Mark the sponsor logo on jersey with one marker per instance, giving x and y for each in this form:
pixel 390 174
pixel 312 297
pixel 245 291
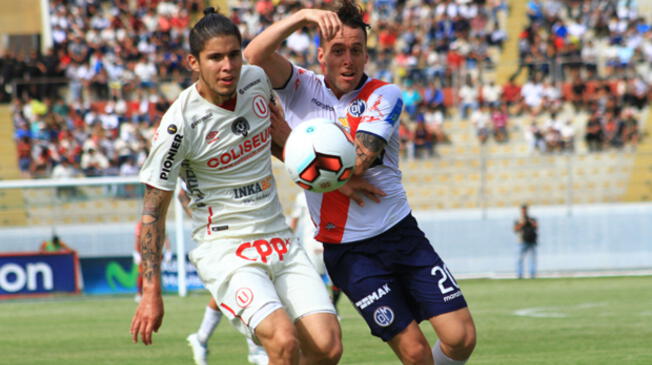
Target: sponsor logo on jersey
pixel 244 297
pixel 203 119
pixel 251 189
pixel 260 107
pixel 241 152
pixel 330 226
pixel 384 316
pixel 322 105
pixel 373 297
pixel 448 298
pixel 249 86
pixel 240 126
pixel 212 137
pixel 357 107
pixel 192 185
pixel 261 250
pixel 172 129
pixel 395 113
pixel 169 157
pixel 219 228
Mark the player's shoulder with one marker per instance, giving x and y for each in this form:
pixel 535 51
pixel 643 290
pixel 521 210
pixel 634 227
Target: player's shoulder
pixel 252 72
pixel 386 89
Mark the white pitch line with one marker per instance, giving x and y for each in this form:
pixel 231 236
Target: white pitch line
pixel 554 312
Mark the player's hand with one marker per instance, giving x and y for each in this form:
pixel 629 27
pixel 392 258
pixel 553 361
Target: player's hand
pixel 328 22
pixel 148 318
pixel 359 186
pixel 280 128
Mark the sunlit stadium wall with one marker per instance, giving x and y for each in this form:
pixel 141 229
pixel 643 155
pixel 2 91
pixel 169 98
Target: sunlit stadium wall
pixel 612 237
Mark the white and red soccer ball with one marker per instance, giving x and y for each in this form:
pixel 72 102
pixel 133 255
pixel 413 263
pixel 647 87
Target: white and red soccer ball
pixel 319 155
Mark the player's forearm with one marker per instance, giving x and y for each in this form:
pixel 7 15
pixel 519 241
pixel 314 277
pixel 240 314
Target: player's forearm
pixel 265 44
pixel 152 236
pixel 151 248
pixel 368 149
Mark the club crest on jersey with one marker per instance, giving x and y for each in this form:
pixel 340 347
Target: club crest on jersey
pixel 244 297
pixel 357 107
pixel 240 126
pixel 384 316
pixel 260 107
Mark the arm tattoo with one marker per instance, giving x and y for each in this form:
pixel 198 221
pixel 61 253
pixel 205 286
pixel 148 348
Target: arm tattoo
pixel 153 231
pixel 368 149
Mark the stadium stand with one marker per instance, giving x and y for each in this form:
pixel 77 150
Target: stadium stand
pixel 443 43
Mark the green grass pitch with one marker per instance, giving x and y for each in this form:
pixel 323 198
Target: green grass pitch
pixel 588 321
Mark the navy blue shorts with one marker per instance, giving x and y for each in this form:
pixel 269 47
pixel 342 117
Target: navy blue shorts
pixel 394 278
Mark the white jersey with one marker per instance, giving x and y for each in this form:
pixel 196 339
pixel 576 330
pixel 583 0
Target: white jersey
pixel 372 108
pixel 223 157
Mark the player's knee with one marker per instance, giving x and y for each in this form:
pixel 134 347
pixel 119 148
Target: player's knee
pixel 416 353
pixel 326 349
pixel 463 343
pixel 283 344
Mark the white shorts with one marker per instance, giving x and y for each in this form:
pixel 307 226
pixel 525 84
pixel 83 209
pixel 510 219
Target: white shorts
pixel 252 278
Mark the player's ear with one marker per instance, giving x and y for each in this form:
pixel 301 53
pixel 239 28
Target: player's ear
pixel 320 55
pixel 193 62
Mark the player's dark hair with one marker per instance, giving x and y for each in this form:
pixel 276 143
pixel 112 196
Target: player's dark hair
pixel 213 24
pixel 351 15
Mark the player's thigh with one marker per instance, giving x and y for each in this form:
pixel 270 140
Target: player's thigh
pixel 300 288
pixel 247 298
pixel 276 328
pixel 410 344
pixel 455 328
pixel 320 333
pixel 375 291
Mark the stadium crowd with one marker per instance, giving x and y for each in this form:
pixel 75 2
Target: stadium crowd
pixel 122 63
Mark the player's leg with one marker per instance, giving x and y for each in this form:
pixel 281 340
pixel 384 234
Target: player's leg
pixel 247 297
pixel 321 338
pixel 257 354
pixel 306 298
pixel 433 293
pixel 411 346
pixel 198 341
pixel 456 332
pixel 359 270
pixel 279 337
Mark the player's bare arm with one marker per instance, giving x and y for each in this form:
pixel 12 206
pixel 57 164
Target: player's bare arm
pixel 149 314
pixel 261 51
pixel 368 149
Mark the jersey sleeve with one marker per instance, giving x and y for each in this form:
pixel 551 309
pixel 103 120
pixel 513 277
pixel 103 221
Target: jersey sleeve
pixel 161 168
pixel 381 116
pixel 300 83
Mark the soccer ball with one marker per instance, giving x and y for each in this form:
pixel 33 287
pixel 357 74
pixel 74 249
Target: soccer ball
pixel 319 155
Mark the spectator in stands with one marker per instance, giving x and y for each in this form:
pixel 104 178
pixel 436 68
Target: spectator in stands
pixel 93 162
pixel 499 123
pixel 594 136
pixel 527 229
pixel 423 142
pixel 481 119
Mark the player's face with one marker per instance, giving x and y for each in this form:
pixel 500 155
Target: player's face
pixel 343 59
pixel 219 66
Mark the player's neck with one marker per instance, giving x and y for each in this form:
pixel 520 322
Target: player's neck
pixel 223 101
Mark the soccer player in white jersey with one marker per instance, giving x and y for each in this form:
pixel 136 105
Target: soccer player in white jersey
pixel 375 253
pixel 217 137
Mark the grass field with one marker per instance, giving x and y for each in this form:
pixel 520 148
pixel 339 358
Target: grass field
pixel 546 321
